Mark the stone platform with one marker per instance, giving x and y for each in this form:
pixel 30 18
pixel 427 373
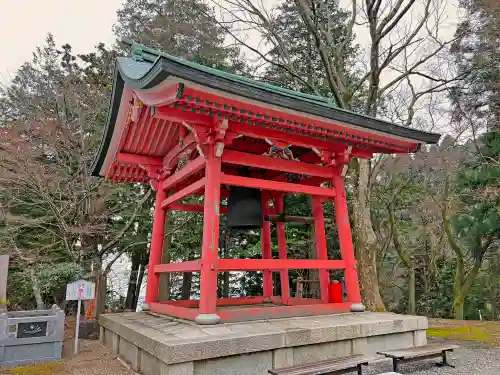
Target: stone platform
pixel 158 345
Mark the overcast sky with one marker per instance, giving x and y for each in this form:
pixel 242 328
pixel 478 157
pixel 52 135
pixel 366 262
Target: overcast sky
pixel 24 25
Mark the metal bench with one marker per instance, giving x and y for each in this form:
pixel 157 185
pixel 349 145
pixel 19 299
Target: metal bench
pixel 331 366
pixel 420 352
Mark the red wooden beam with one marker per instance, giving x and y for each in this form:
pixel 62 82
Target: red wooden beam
pixel 266 162
pixel 155 253
pixel 276 186
pixel 192 303
pixel 191 208
pixel 313 181
pixel 125 158
pixel 189 266
pixel 294 301
pixel 240 301
pixel 236 301
pixel 184 192
pixel 171 310
pixel 262 313
pixel 293 219
pixel 294 139
pixel 277 264
pixel 279 114
pixel 177 115
pixel 224 193
pixel 188 170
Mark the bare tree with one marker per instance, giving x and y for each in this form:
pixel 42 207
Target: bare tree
pixel 404 49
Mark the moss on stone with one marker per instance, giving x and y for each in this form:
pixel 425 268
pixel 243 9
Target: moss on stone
pixel 484 332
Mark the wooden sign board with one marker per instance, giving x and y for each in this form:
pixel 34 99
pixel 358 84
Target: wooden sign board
pixel 80 290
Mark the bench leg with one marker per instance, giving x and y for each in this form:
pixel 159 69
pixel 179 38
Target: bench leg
pixel 360 370
pixel 395 364
pixel 445 360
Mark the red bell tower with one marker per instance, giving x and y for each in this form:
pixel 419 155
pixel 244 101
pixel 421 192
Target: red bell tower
pixel 235 132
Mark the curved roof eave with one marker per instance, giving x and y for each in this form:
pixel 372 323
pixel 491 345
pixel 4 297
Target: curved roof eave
pixel 114 107
pixel 146 75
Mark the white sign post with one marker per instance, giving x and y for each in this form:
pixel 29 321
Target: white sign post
pixel 78 291
pixel 4 268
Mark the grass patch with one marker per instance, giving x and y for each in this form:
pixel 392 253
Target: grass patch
pixel 49 368
pixel 465 333
pixel 487 333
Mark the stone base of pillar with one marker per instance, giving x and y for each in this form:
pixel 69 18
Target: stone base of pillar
pixel 207 319
pixel 357 307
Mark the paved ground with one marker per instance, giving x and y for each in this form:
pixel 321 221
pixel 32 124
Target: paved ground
pixel 479 354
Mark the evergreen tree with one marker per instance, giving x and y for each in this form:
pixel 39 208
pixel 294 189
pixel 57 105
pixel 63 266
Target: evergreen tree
pixel 477 103
pixel 301 54
pixel 184 28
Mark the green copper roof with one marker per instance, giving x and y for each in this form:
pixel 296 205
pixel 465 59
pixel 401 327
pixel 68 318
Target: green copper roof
pixel 146 68
pixel 141 53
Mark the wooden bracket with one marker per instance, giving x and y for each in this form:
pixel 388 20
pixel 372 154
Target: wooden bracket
pixel 343 159
pixel 136 108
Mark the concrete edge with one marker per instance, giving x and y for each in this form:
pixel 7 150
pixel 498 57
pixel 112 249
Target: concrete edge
pixel 151 341
pixel 183 350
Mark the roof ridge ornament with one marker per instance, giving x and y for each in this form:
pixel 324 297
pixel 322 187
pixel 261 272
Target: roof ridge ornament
pixel 136 51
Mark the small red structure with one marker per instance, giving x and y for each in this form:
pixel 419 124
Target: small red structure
pixel 233 131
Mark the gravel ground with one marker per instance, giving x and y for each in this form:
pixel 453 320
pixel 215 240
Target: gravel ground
pixel 470 359
pixel 94 359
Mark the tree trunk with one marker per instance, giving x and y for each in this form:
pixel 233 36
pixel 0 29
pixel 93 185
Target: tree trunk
pixel 412 302
pixel 365 241
pixel 461 291
pixel 140 278
pixel 187 278
pixel 225 285
pixel 36 290
pixel 405 258
pixel 132 282
pixel 458 308
pixel 101 289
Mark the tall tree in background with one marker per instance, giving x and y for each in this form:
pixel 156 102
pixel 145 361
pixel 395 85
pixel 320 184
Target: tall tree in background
pixel 305 70
pixel 183 28
pixel 54 211
pixel 403 39
pixel 476 222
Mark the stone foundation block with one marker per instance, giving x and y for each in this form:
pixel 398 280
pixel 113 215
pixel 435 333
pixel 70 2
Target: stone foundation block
pixel 158 345
pixel 283 357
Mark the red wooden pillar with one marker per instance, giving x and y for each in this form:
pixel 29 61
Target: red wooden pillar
pixel 280 229
pixel 210 244
pixel 265 240
pixel 319 232
pixel 156 250
pixel 346 248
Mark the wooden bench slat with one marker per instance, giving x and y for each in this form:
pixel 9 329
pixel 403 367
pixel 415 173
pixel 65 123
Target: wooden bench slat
pixel 418 351
pixel 324 361
pixel 323 367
